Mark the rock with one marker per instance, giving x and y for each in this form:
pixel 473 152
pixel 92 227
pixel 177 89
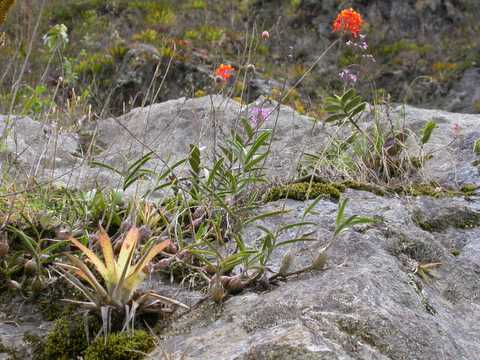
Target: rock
pixel 17 320
pixel 465 95
pixel 367 304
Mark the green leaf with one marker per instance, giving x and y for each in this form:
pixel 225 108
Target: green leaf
pixel 105 166
pixel 259 142
pixel 194 159
pixel 335 118
pixel 476 147
pixel 310 207
pixel 427 131
pixel 132 169
pixel 266 215
pixel 346 97
pixel 295 225
pixel 357 110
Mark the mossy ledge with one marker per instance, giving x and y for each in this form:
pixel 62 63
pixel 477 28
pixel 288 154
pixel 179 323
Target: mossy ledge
pixel 304 190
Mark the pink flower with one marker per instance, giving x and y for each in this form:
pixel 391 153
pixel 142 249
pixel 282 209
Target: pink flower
pixel 456 129
pixel 265 35
pixel 258 115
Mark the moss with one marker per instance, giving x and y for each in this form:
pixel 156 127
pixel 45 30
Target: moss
pixel 468 189
pixel 427 189
pixel 121 346
pixel 415 248
pixel 460 219
pixel 67 340
pixel 455 252
pixel 356 185
pixel 302 191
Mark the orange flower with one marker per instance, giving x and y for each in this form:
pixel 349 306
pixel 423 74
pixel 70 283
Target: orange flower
pixel 225 71
pixel 349 21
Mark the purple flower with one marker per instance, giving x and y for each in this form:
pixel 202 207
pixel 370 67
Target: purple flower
pixel 258 115
pixel 348 77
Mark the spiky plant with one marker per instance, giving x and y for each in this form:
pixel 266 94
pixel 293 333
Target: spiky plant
pixel 119 278
pixel 5 5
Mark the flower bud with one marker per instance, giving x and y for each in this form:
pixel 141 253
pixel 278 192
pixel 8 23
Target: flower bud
pixel 4 248
pixel 163 264
pixel 30 267
pixel 210 269
pixel 286 264
pixel 235 284
pixel 171 248
pixel 251 67
pixel 13 285
pixel 38 284
pixel 265 35
pixel 320 260
pixel 216 290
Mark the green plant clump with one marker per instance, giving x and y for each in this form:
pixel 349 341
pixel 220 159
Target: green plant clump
pixel 121 346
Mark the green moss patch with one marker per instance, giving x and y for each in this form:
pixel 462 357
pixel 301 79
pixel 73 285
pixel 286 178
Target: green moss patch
pixel 121 346
pixel 67 340
pixel 305 190
pixel 302 191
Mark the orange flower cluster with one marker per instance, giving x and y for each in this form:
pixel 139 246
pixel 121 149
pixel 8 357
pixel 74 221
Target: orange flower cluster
pixel 348 20
pixel 225 71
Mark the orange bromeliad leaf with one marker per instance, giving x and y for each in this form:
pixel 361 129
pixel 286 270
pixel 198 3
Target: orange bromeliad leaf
pixel 91 256
pixel 107 250
pixel 128 247
pixel 154 251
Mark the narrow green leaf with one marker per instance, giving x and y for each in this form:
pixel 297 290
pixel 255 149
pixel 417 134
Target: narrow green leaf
pixel 427 131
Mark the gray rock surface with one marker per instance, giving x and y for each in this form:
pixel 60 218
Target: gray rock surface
pixel 465 95
pixel 367 304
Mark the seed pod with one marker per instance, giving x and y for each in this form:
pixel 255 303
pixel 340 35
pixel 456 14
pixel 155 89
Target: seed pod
pixel 210 269
pixel 320 260
pixel 235 284
pixel 4 248
pixel 13 285
pixel 185 256
pixel 286 263
pixel 30 267
pixel 63 233
pixel 163 264
pixel 251 67
pixel 216 290
pixel 171 248
pixel 38 284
